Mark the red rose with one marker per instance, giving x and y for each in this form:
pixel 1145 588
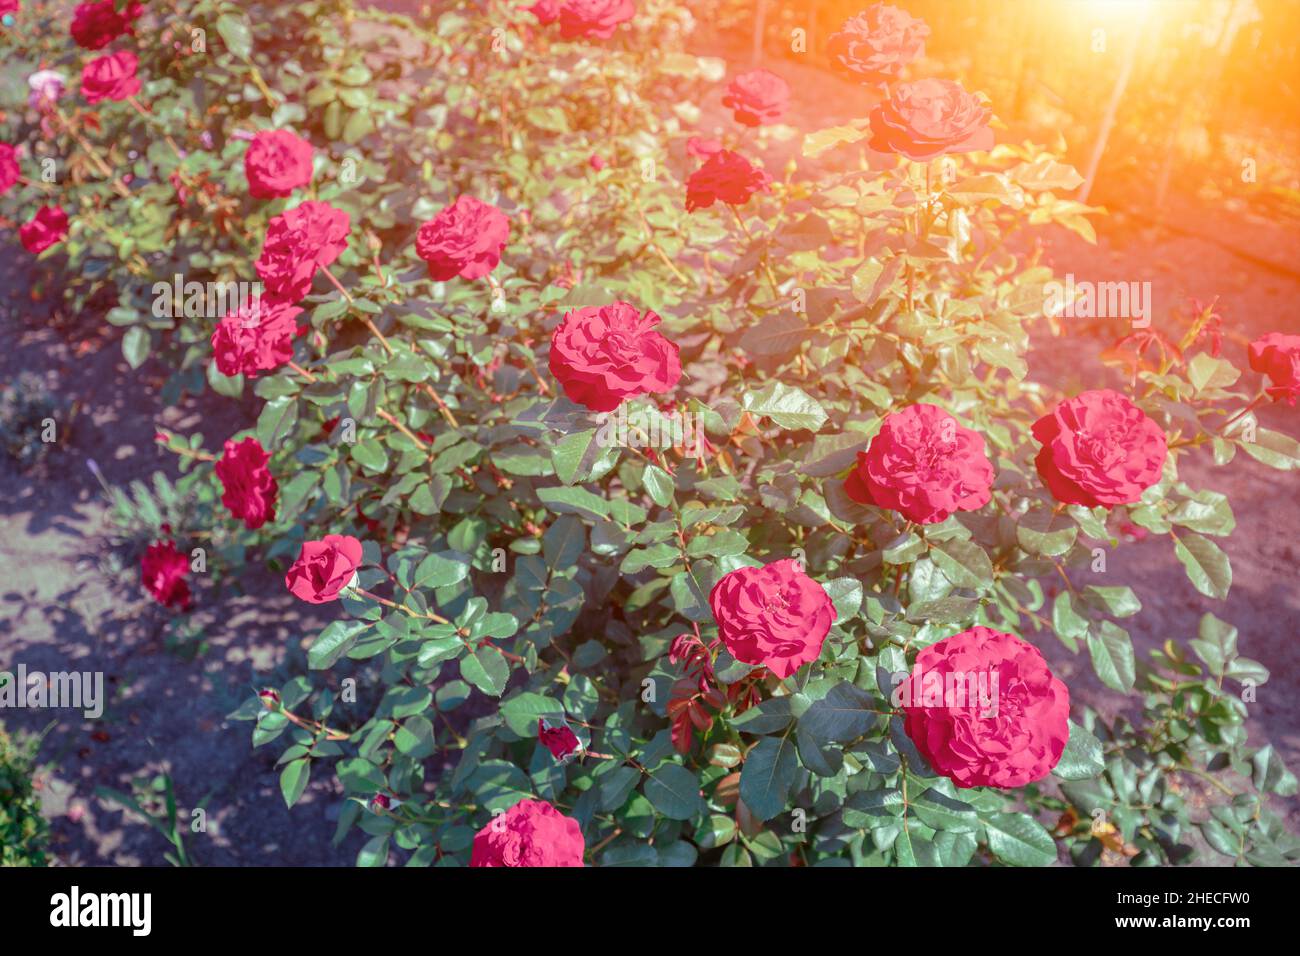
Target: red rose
pixel 984 710
pixel 593 19
pixel 727 177
pixel 256 338
pixel 561 741
pixel 10 171
pixel 96 25
pixel 162 572
pixel 277 162
pixel 465 239
pixel 298 242
pixel 929 118
pixel 9 6
pixel 531 833
pixel 604 354
pixel 110 77
pixel 546 11
pixel 875 45
pixel 1099 449
pixel 775 615
pixel 924 465
pixel 249 488
pixel 1278 356
pixel 596 162
pixel 758 98
pixel 47 227
pixel 324 568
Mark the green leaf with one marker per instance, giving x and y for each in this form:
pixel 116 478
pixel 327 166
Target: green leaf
pixel 846 712
pixel 814 144
pixel 568 455
pixel 1207 372
pixel 767 776
pixel 135 345
pixel 675 792
pixel 963 562
pixel 293 780
pixel 1119 601
pixel 788 406
pixel 1207 566
pixel 1043 532
pixel 564 542
pixel 439 570
pixel 1019 840
pixel 522 711
pixel 1112 655
pixel 487 670
pixel 235 33
pixel 1082 758
pixel 769 717
pixel 276 421
pixel 658 485
pixel 333 642
pixel 1216 644
pixel 578 501
pixel 943 812
pixel 1273 449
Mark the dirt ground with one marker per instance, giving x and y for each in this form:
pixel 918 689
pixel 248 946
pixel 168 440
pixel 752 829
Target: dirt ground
pixel 58 610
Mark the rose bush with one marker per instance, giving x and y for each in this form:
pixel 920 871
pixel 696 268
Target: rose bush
pixel 635 490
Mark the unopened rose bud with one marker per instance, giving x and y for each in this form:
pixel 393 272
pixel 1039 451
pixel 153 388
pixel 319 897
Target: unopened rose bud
pixel 383 803
pixel 270 699
pixel 562 742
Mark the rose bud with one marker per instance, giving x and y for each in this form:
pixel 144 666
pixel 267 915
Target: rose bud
pixel 561 741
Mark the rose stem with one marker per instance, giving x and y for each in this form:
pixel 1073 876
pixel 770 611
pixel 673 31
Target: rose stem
pixel 302 371
pixel 442 406
pixel 93 153
pixel 386 416
pixel 364 318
